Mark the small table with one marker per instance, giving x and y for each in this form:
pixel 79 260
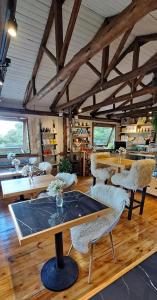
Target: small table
pixel 24 186
pixel 10 172
pixel 120 163
pixel 41 217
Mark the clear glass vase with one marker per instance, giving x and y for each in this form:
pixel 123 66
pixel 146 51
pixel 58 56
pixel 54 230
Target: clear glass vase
pixel 59 199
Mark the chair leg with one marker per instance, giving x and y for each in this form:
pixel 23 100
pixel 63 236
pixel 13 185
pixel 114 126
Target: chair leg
pixel 131 205
pixel 94 180
pixel 71 246
pixel 113 250
pixel 143 200
pixel 90 263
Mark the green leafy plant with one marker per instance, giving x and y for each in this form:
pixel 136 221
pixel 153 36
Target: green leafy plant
pixel 154 124
pixel 65 165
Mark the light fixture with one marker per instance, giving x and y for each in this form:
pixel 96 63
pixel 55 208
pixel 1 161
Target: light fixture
pixel 12 26
pixel 1 78
pixel 150 112
pixel 80 110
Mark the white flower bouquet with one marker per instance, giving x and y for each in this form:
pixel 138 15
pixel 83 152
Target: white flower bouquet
pixel 122 150
pixel 11 156
pixel 25 171
pixel 55 187
pixel 15 162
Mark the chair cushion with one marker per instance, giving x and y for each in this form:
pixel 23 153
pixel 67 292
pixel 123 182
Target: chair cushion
pixel 86 233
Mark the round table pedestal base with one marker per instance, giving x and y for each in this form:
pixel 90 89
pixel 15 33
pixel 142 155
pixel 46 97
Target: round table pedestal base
pixel 59 279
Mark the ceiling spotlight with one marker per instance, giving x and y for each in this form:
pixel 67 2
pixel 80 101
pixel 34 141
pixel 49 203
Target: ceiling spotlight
pixel 150 112
pixel 80 110
pixel 12 26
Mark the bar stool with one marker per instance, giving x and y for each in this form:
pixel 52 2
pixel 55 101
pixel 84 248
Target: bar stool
pixel 138 178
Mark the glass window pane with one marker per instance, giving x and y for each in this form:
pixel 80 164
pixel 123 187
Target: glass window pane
pixel 104 136
pixel 11 137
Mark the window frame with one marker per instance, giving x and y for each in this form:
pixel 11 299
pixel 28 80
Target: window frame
pixel 95 124
pixel 25 121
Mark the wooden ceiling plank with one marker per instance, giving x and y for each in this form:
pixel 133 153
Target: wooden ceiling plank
pixel 69 32
pixel 122 22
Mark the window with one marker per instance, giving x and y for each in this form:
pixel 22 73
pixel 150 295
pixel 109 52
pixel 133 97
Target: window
pixel 103 135
pixel 13 136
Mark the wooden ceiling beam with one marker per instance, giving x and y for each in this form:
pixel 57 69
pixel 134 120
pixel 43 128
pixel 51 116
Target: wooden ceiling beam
pixel 41 49
pixel 69 32
pixel 105 62
pixel 127 97
pixel 133 113
pixel 135 63
pixel 146 68
pixel 123 107
pixel 113 62
pixel 93 68
pixel 94 111
pixel 61 93
pixel 122 22
pixel 50 55
pixel 58 31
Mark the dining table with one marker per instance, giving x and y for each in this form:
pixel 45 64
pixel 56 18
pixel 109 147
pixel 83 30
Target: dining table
pixel 10 173
pixel 22 187
pixel 115 161
pixel 41 218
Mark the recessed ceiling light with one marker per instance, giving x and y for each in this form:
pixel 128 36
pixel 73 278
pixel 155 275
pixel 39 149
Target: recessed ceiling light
pixel 80 110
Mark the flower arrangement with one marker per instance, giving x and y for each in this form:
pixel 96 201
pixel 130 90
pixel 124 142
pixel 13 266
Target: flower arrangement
pixel 25 171
pixel 11 156
pixel 15 162
pixel 55 187
pixel 122 150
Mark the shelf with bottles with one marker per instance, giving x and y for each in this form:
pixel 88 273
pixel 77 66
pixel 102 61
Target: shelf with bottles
pixel 48 137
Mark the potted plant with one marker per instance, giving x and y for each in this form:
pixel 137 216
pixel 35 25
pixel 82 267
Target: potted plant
pixel 65 165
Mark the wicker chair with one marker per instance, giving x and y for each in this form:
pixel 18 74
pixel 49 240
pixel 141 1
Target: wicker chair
pixel 84 236
pixel 138 178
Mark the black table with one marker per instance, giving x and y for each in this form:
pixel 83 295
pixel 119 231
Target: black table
pixel 40 217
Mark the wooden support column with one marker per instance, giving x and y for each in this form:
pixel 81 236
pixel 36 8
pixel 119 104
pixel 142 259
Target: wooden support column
pixel 65 136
